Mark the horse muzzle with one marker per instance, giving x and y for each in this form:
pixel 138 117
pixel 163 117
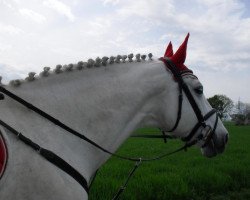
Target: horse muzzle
pixel 215 144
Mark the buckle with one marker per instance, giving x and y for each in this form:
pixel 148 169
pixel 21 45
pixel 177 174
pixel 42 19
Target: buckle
pixel 207 133
pixel 208 136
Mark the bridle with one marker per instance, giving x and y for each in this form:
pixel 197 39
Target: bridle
pixel 201 119
pixel 182 86
pixel 67 168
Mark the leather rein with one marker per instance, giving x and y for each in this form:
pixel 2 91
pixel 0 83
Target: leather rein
pixel 67 168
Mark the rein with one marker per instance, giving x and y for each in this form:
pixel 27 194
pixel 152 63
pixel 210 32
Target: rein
pixel 70 130
pixel 50 156
pixel 67 168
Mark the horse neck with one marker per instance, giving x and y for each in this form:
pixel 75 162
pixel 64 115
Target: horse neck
pixel 105 104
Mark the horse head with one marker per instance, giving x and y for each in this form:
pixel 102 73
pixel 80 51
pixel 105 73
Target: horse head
pixel 193 119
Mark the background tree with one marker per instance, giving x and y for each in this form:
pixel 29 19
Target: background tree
pixel 247 112
pixel 241 115
pixel 222 104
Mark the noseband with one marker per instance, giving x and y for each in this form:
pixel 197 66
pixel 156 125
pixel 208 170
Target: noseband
pixel 206 138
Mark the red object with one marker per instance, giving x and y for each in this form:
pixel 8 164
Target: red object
pixel 169 51
pixel 180 55
pixel 3 155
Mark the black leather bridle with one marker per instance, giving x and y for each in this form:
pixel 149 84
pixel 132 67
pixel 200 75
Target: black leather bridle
pixel 182 86
pixel 201 119
pixel 190 140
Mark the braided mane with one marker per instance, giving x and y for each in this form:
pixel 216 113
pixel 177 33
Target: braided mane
pixel 98 62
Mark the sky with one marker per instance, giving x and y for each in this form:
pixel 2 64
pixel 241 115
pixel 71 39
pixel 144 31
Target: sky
pixel 39 33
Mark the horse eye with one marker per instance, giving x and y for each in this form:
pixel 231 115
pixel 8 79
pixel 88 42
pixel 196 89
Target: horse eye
pixel 199 90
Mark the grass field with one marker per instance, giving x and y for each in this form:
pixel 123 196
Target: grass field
pixel 185 175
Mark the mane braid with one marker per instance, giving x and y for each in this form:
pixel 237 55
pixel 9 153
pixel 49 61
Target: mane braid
pixel 91 63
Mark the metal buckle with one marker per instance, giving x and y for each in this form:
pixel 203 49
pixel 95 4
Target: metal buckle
pixel 39 150
pixel 207 133
pixel 19 133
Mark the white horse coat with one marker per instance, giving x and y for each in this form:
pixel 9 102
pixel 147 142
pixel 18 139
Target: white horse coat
pixel 106 104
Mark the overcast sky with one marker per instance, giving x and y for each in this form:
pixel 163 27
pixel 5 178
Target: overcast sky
pixel 38 33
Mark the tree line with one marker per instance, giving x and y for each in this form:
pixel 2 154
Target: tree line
pixel 227 110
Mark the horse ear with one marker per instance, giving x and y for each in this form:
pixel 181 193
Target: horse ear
pixel 180 55
pixel 169 51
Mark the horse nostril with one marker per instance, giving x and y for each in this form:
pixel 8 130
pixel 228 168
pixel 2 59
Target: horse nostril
pixel 226 138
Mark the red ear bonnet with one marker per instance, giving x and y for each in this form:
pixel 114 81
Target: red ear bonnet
pixel 169 51
pixel 180 55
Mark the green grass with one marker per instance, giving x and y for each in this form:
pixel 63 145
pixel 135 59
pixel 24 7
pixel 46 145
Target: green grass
pixel 185 175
